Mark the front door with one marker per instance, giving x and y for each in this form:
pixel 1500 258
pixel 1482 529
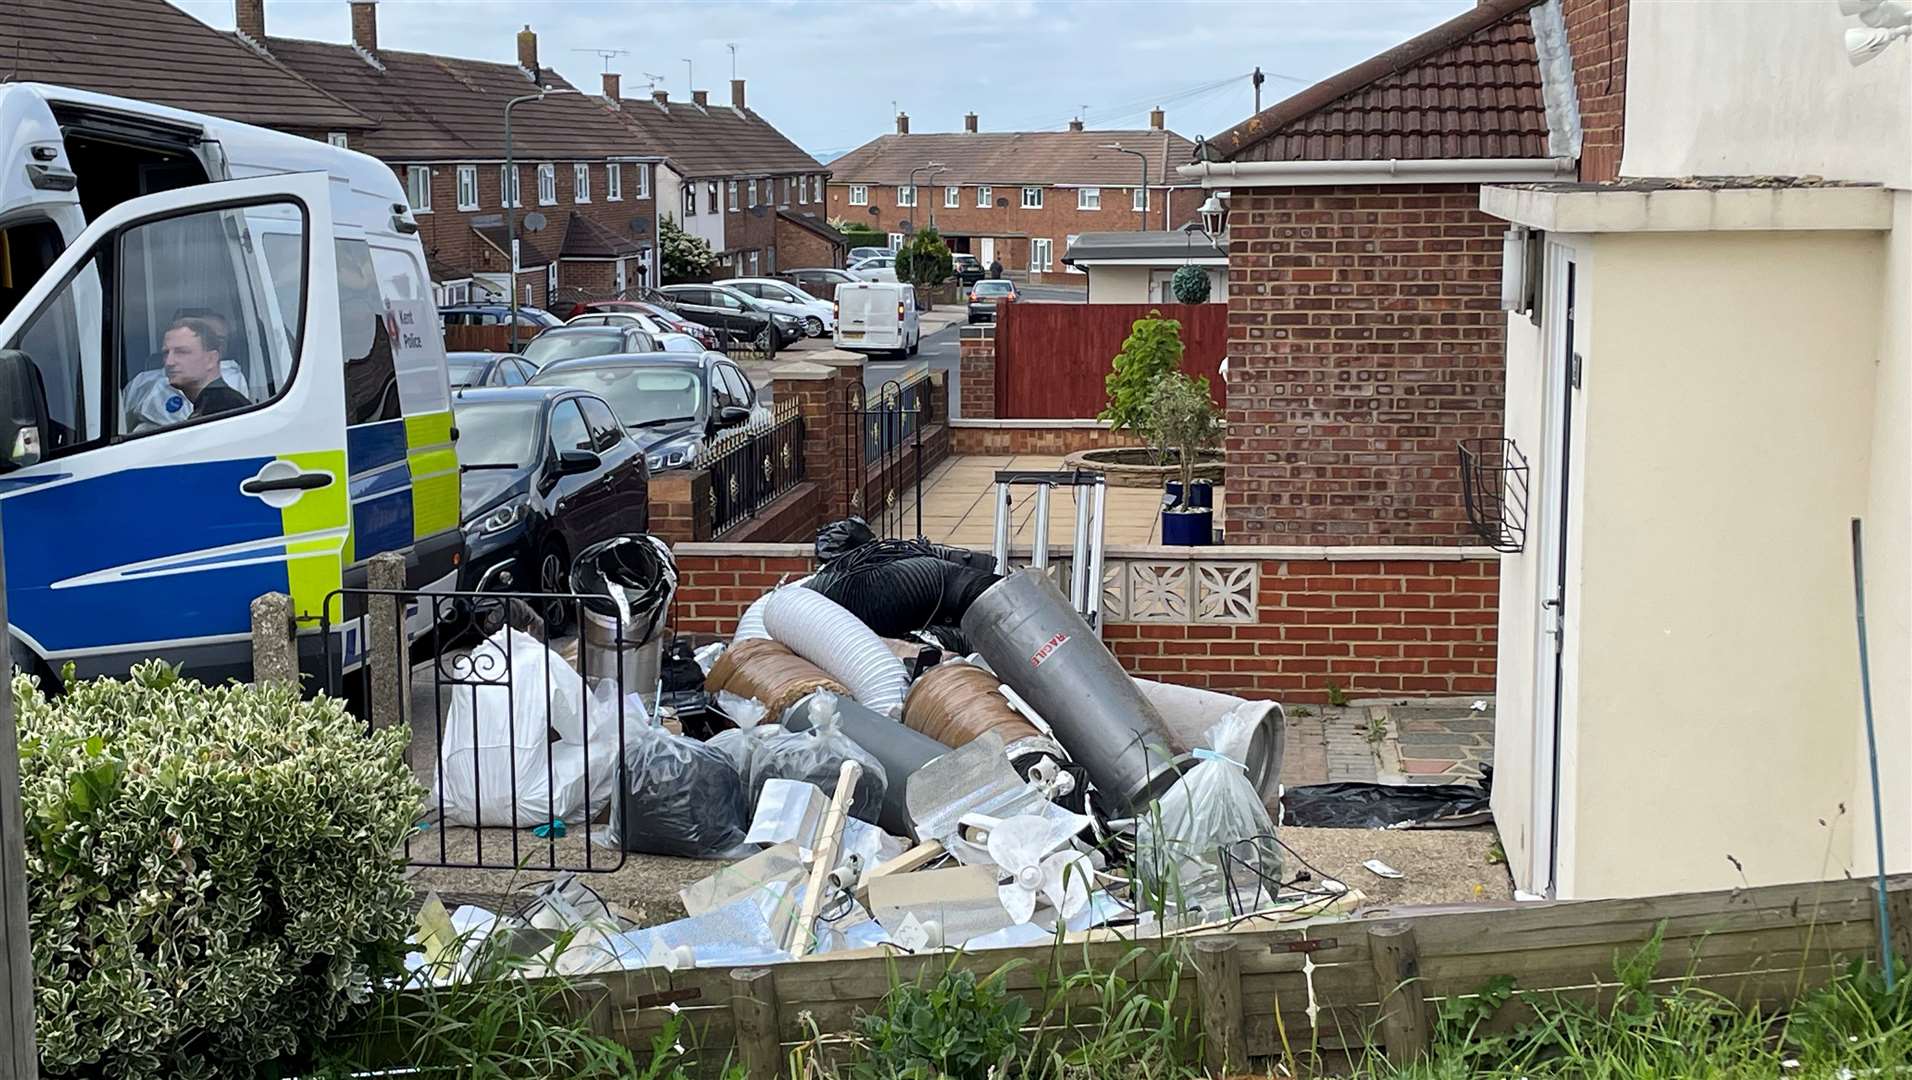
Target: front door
pixel 1562 380
pixel 988 253
pixel 193 453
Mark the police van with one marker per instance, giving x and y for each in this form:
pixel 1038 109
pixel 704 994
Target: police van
pixel 221 375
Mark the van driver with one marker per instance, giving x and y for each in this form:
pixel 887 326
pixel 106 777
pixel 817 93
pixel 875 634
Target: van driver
pixel 191 349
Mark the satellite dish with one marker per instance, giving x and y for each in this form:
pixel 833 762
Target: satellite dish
pixel 905 225
pixel 1002 202
pixel 875 210
pixel 640 225
pixel 533 222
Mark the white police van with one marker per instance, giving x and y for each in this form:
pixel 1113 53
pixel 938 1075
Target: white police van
pixel 221 375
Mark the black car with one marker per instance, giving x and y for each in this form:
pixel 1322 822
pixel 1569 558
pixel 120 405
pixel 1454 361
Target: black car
pixel 547 471
pixel 573 342
pixel 472 369
pixel 969 269
pixel 986 294
pixel 670 402
pixel 531 318
pixel 731 313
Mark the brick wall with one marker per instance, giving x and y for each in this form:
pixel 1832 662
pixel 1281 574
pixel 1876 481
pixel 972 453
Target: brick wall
pixel 1365 339
pixel 798 247
pixel 976 360
pixel 1034 436
pixel 1364 626
pixel 1058 219
pixel 1597 37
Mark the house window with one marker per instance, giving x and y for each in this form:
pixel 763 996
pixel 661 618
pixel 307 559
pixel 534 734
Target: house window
pixel 418 188
pixel 816 188
pixel 733 197
pixel 753 264
pixel 896 241
pixel 614 182
pixel 547 185
pixel 690 199
pixel 1032 198
pixel 1139 199
pixel 336 138
pixel 1089 198
pixel 581 183
pixel 753 193
pixel 1041 252
pixel 906 194
pixel 509 194
pixel 710 197
pixel 788 183
pixel 1067 244
pixel 859 195
pixel 550 281
pixel 467 187
pixel 803 189
pixel 985 197
pixel 952 198
pixel 643 181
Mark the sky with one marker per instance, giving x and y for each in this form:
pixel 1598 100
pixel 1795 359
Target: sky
pixel 831 74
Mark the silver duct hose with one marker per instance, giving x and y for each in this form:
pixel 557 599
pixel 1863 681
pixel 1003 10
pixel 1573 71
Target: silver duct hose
pixel 1040 647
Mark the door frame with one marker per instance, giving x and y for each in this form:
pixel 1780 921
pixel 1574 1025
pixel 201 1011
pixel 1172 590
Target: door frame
pixel 1565 285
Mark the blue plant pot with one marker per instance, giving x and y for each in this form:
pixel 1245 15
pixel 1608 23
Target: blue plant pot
pixel 1202 496
pixel 1188 528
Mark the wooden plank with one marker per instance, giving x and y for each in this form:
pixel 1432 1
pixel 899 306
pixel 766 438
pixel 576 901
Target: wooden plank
pixel 1333 1027
pixel 1218 971
pixel 1898 907
pixel 1468 935
pixel 1406 1026
pixel 753 1005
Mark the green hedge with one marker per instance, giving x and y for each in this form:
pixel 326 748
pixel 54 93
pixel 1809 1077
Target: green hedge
pixel 212 873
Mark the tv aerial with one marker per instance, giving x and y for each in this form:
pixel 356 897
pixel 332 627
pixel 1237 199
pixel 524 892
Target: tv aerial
pixel 608 55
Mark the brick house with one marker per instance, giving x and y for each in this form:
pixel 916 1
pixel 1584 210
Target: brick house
pixel 729 176
pixel 586 215
pixel 1366 337
pixel 1017 196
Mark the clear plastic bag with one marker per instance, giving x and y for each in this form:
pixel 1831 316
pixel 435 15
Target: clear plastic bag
pixel 740 744
pixel 498 764
pixel 814 757
pixel 683 798
pixel 1179 839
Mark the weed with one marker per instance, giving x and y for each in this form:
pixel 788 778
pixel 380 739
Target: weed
pixel 1336 695
pixel 959 1027
pixel 1496 854
pixel 1377 732
pixel 1300 711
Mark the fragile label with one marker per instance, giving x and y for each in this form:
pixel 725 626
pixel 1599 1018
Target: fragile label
pixel 1048 649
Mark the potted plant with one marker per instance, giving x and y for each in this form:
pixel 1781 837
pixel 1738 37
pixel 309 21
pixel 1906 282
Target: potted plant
pixel 1182 418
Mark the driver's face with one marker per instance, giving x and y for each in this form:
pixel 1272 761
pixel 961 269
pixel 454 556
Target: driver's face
pixel 189 364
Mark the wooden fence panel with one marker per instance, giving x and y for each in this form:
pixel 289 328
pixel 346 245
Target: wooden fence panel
pixel 483 338
pixel 1052 359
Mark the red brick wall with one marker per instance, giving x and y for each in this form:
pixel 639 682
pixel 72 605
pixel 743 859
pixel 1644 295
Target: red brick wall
pixel 1597 38
pixel 1365 339
pixel 1365 628
pixel 1035 440
pixel 798 247
pixel 1058 219
pixel 977 361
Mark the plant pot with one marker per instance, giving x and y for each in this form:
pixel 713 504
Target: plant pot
pixel 1203 497
pixel 1188 528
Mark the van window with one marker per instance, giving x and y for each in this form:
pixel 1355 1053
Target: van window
pixel 371 379
pixel 52 339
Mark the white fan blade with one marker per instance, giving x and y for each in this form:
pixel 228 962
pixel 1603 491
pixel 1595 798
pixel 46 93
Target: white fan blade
pixel 1019 902
pixel 1065 881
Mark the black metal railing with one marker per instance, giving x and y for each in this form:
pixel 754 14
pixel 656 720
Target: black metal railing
pixel 518 712
pixel 885 466
pixel 751 466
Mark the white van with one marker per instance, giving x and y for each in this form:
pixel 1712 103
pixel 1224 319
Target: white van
pixel 221 375
pixel 878 317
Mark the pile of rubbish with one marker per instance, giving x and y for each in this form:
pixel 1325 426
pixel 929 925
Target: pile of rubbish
pixel 904 751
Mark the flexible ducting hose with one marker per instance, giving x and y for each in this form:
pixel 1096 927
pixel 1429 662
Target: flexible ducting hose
pixel 770 672
pixel 750 623
pixel 822 632
pixel 954 703
pixel 892 598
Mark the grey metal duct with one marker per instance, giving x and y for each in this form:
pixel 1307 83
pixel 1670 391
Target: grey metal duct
pixel 1040 647
pixel 901 750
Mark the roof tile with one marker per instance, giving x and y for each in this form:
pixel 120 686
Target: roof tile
pixel 714 140
pixel 1013 157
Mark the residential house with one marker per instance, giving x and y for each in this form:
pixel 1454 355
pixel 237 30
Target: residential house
pixel 729 176
pixel 1709 377
pixel 581 184
pixel 151 50
pixel 1137 267
pixel 1018 197
pixel 1365 334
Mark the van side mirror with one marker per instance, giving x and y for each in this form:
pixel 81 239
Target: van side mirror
pixel 23 412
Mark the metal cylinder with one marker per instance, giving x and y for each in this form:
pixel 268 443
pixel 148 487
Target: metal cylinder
pixel 901 750
pixel 1043 650
pixel 606 654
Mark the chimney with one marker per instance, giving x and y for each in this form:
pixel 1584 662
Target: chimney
pixel 364 24
pixel 969 123
pixel 701 97
pixel 251 19
pixel 612 89
pixel 736 93
pixel 1156 120
pixel 662 97
pixel 528 51
pixel 902 123
pixel 1076 124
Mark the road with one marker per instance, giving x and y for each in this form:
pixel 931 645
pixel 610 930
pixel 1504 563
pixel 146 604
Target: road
pixel 939 351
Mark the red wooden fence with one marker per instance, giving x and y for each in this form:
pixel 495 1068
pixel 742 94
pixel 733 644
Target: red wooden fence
pixel 484 338
pixel 1051 359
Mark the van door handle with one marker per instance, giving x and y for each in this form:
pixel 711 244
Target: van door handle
pixel 311 481
pixel 280 483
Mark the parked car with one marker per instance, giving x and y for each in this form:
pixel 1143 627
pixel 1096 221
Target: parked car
pixel 657 313
pixel 878 316
pixel 969 269
pixel 858 254
pixel 875 268
pixel 669 402
pixel 667 341
pixel 547 471
pixel 472 369
pixel 570 342
pixel 817 316
pixel 736 316
pixel 986 294
pixel 530 318
pixel 818 281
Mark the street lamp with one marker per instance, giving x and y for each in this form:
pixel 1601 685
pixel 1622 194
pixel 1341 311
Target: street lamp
pixel 916 193
pixel 1141 223
pixel 512 195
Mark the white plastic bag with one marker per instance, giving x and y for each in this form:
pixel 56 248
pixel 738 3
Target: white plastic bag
pixel 493 767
